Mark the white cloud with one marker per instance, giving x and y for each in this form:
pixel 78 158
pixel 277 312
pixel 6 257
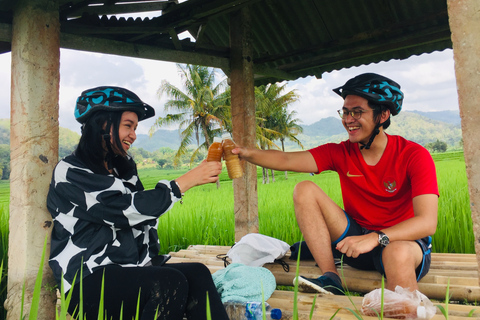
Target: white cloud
pixel 5 76
pixel 428 82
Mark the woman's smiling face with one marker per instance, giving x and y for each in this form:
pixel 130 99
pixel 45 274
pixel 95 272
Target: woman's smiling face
pixel 126 130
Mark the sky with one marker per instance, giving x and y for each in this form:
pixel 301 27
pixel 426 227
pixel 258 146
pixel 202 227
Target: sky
pixel 428 82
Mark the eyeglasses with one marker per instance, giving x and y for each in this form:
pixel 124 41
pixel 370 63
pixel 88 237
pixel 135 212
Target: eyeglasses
pixel 356 113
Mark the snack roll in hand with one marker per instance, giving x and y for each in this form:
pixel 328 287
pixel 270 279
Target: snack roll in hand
pixel 215 150
pixel 234 167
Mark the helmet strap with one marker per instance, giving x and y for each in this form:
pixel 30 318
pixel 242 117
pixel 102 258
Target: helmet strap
pixel 374 134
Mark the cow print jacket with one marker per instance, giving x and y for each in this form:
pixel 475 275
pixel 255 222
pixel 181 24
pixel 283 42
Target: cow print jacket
pixel 103 219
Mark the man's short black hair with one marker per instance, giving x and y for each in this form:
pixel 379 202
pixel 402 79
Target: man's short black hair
pixel 378 109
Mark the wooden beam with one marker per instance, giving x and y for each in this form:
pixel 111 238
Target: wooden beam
pixel 120 48
pixel 243 121
pixel 465 25
pixel 5 32
pixel 198 11
pixel 118 8
pixel 33 151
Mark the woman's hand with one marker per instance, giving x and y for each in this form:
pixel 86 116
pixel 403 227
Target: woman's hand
pixel 205 172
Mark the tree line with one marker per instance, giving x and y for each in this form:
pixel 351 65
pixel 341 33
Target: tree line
pixel 203 108
pixel 202 111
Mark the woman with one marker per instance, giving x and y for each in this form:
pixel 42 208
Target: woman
pixel 105 223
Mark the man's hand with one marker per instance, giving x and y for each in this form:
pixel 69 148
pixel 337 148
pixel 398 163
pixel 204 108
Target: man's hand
pixel 356 245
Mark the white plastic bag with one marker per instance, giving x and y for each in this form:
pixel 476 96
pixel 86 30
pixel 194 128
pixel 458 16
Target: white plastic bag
pixel 256 249
pixel 398 304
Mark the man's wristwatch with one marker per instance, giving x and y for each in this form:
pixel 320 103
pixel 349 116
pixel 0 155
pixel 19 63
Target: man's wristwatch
pixel 383 239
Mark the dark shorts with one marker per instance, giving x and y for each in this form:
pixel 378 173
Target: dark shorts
pixel 373 260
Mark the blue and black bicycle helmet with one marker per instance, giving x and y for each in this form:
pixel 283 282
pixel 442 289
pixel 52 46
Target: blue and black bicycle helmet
pixel 374 88
pixel 110 98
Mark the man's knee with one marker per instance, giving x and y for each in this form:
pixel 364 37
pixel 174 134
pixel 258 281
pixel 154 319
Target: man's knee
pixel 401 254
pixel 305 190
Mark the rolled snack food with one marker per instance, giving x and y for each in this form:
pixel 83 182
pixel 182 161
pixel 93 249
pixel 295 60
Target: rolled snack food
pixel 398 304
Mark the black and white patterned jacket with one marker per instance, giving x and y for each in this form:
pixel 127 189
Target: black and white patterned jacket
pixel 103 219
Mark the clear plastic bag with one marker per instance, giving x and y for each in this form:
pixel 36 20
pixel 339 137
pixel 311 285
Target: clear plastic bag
pixel 398 304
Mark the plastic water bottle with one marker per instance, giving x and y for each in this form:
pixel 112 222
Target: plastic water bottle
pixel 253 311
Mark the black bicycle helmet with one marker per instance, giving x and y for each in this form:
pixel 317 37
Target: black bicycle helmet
pixel 110 99
pixel 374 88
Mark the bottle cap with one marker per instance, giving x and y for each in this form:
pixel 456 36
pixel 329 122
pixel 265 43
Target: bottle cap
pixel 276 314
pixel 421 312
pixel 217 139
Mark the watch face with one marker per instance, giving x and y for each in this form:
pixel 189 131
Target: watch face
pixel 383 239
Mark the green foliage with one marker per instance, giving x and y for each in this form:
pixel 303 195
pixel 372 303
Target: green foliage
pixel 447 299
pixel 201 109
pixel 423 130
pixel 67 142
pixel 5 131
pixel 207 215
pixel 274 121
pixel 4 161
pixel 437 146
pixel 38 285
pixel 161 162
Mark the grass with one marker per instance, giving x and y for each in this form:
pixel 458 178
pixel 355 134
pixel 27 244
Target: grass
pixel 207 215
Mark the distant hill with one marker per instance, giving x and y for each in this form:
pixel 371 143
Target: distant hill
pixel 161 138
pixel 324 127
pixel 421 127
pixel 5 131
pixel 448 116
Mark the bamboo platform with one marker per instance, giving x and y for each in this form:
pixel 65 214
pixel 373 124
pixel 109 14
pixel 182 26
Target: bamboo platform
pixel 459 270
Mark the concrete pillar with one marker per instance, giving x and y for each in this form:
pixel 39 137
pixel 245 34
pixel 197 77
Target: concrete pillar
pixel 243 120
pixel 34 150
pixel 465 27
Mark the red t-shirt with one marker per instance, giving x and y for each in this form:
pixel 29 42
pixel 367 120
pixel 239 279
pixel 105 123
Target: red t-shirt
pixel 380 196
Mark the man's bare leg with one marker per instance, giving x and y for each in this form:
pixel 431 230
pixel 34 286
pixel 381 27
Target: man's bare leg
pixel 400 260
pixel 321 221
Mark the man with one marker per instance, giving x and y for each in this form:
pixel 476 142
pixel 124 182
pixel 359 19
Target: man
pixel 389 188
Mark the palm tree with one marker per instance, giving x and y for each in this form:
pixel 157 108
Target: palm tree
pixel 271 111
pixel 202 109
pixel 288 127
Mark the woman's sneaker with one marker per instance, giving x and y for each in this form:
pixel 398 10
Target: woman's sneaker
pixel 322 284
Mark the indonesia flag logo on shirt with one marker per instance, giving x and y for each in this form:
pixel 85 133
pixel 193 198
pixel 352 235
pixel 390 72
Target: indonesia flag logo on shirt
pixel 390 185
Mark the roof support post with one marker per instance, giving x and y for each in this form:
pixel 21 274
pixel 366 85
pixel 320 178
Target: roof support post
pixel 243 120
pixel 34 150
pixel 464 22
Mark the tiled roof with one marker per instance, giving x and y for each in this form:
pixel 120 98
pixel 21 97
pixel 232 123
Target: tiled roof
pixel 290 38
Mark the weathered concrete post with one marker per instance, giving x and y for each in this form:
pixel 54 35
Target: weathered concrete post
pixel 243 120
pixel 34 149
pixel 465 27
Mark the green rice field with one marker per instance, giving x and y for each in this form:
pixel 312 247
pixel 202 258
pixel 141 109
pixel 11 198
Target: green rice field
pixel 207 214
